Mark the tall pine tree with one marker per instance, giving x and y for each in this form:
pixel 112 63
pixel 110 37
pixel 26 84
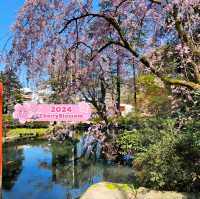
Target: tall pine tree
pixel 12 93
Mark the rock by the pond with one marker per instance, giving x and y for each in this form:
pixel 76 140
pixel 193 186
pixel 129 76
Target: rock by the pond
pixel 107 190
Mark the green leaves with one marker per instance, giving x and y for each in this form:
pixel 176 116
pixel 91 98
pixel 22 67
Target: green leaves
pixel 166 158
pixel 12 90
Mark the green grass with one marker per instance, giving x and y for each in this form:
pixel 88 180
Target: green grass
pixel 25 131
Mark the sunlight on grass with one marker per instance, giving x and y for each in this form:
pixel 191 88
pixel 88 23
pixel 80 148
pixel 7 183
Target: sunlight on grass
pixel 25 131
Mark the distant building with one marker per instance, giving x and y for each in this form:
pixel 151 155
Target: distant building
pixel 27 94
pixel 125 109
pixel 39 96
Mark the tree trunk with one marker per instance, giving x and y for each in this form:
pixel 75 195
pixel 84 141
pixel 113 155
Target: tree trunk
pixel 134 87
pixel 118 85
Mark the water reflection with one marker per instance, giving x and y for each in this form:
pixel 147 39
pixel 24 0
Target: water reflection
pixel 12 164
pixel 47 171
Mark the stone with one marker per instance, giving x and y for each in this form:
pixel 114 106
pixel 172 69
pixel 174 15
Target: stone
pixel 143 193
pixel 107 190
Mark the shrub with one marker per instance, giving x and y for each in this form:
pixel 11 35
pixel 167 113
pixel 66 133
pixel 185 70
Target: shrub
pixel 129 122
pixel 158 166
pixel 95 119
pixel 135 141
pixel 81 127
pixel 9 123
pixel 166 158
pixel 35 124
pixel 146 132
pixel 170 164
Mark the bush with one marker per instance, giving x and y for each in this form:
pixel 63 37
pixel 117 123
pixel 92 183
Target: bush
pixel 9 123
pixel 35 124
pixel 170 164
pixel 166 158
pixel 135 141
pixel 146 132
pixel 158 167
pixel 95 119
pixel 81 127
pixel 131 121
pixel 136 121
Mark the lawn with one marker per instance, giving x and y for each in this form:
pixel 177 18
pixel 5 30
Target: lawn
pixel 25 132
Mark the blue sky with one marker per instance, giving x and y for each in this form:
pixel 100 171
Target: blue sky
pixel 8 14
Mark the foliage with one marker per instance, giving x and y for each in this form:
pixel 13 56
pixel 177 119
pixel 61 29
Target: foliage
pixel 35 124
pixel 186 105
pixel 9 123
pixel 139 29
pixel 96 119
pixel 131 142
pixel 129 122
pixel 171 163
pixel 146 132
pixel 60 81
pixel 81 127
pixel 11 90
pixel 136 120
pixel 152 96
pixel 166 157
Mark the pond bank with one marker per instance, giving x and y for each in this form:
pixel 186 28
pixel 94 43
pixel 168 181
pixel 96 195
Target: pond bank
pixel 19 139
pixel 20 134
pixel 107 190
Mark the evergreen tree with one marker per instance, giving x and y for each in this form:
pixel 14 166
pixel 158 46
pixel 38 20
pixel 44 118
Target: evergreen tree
pixel 12 93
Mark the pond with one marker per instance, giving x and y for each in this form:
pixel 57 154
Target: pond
pixel 43 170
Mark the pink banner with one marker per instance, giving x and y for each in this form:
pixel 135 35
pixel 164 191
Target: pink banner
pixel 52 112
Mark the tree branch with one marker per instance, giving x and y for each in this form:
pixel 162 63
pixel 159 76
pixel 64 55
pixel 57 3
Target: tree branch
pixel 185 38
pixel 143 60
pixel 177 82
pixel 156 1
pixel 107 45
pixel 107 18
pixel 124 43
pixel 120 4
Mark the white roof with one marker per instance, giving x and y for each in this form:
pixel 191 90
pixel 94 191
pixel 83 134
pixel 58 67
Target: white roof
pixel 26 90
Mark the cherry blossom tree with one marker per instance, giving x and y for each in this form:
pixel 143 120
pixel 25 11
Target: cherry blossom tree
pixel 50 30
